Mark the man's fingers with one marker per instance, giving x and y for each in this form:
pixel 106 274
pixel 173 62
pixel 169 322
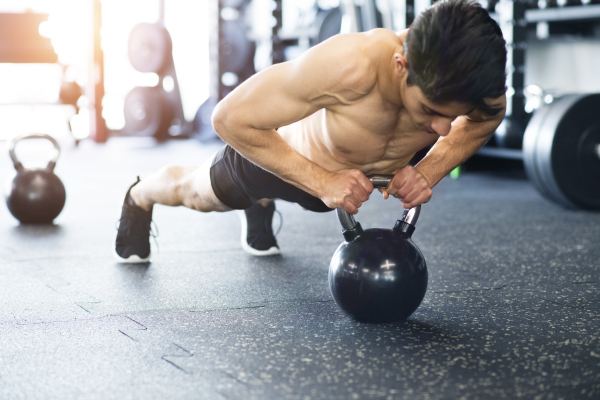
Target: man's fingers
pixel 366 184
pixel 422 198
pixel 350 207
pixel 413 189
pixel 363 195
pixel 400 179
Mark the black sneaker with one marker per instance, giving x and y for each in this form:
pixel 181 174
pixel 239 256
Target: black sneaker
pixel 257 230
pixel 133 237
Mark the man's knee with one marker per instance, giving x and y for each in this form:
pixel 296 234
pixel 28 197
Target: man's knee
pixel 197 192
pixel 174 173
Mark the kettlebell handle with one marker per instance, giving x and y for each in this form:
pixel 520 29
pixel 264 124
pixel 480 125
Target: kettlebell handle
pixel 379 181
pixel 13 155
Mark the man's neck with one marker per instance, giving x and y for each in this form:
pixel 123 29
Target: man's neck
pixel 392 84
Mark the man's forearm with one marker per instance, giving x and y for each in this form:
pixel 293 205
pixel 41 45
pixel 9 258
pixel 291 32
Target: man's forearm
pixel 268 150
pixel 465 138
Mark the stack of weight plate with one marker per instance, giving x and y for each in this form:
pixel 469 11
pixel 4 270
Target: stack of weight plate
pixel 561 150
pixel 150 111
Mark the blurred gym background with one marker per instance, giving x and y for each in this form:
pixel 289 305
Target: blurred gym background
pixel 29 89
pixel 564 61
pixel 96 69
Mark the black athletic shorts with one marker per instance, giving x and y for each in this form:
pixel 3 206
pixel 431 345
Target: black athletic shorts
pixel 239 183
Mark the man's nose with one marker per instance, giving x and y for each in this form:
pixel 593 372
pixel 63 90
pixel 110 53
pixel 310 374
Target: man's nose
pixel 441 125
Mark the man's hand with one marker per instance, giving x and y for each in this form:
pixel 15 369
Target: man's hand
pixel 410 186
pixel 346 189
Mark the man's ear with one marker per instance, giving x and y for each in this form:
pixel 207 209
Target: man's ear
pixel 401 61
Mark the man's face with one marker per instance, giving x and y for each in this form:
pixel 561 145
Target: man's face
pixel 435 119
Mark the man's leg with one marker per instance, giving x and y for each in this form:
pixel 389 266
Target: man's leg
pixel 170 186
pixel 190 187
pixel 258 238
pixel 179 186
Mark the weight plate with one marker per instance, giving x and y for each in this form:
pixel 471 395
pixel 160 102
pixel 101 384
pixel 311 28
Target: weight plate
pixel 147 113
pixel 235 52
pixel 202 124
pixel 149 47
pixel 69 93
pixel 564 151
pixel 509 134
pixel 530 139
pixel 330 24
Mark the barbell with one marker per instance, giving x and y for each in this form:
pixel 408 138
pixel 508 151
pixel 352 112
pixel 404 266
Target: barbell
pixel 561 151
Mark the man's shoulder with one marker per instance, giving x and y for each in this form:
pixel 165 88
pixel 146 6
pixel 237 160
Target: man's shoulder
pixel 346 61
pixel 363 54
pixel 367 44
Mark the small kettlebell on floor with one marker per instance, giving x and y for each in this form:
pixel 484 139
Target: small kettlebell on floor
pixel 35 195
pixel 378 275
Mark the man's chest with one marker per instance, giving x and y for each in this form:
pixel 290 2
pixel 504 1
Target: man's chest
pixel 367 135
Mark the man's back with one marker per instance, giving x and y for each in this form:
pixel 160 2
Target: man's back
pixel 360 125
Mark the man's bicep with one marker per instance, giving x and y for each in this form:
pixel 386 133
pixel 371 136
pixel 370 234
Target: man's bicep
pixel 288 92
pixel 268 100
pixel 326 75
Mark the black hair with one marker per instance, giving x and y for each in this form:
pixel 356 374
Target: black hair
pixel 456 53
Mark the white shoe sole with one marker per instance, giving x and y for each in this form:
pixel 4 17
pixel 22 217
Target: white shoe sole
pixel 133 259
pixel 273 251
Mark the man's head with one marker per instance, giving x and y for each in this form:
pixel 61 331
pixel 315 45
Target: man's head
pixel 456 53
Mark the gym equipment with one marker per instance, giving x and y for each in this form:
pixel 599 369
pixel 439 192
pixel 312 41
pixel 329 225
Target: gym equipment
pixel 149 47
pixel 148 112
pixel 329 23
pixel 378 275
pixel 35 195
pixel 154 111
pixel 202 125
pixel 69 93
pixel 561 151
pixel 236 51
pixel 509 134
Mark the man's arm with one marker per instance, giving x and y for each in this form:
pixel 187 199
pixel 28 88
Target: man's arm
pixel 332 73
pixel 467 135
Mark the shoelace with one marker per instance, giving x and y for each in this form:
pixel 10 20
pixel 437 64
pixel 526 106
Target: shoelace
pixel 280 223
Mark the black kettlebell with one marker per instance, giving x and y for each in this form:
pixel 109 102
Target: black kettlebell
pixel 378 275
pixel 35 195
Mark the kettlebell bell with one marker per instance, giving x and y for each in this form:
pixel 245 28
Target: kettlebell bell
pixel 35 195
pixel 378 275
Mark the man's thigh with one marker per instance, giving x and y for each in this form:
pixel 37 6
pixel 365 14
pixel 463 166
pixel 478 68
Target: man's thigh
pixel 239 183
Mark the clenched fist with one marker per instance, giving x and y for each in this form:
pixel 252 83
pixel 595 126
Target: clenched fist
pixel 346 189
pixel 409 186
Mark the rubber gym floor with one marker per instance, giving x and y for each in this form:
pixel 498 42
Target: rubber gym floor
pixel 512 308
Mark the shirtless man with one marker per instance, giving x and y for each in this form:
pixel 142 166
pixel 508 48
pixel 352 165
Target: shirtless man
pixel 309 130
